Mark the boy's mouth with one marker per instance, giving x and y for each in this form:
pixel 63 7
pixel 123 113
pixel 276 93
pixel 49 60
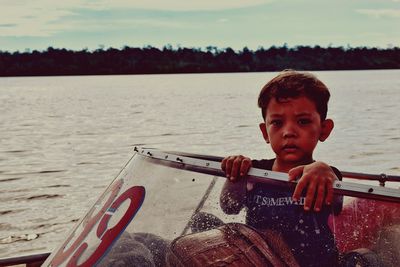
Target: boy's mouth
pixel 289 148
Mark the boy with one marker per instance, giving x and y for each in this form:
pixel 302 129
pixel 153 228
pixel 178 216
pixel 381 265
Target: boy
pixel 294 109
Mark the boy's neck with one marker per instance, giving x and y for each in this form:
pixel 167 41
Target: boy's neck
pixel 280 166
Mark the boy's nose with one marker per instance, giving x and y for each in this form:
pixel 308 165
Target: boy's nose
pixel 289 131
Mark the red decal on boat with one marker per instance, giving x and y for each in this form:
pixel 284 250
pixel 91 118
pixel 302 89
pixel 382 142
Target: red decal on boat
pixel 134 194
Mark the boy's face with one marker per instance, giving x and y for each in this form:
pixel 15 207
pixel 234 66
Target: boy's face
pixel 293 127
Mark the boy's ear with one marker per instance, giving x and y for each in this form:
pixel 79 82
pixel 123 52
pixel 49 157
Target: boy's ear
pixel 263 128
pixel 327 127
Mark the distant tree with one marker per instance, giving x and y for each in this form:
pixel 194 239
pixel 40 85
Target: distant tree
pixel 134 60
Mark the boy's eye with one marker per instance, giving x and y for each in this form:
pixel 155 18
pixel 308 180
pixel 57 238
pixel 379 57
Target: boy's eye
pixel 304 121
pixel 276 122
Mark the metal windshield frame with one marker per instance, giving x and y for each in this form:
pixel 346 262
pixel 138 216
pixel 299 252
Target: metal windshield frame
pixel 211 165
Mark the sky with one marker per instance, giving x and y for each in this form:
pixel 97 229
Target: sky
pixel 27 25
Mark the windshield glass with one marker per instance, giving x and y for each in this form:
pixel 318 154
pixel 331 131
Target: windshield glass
pixel 157 215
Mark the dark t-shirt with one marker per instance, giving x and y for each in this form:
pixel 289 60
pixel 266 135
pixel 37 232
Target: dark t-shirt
pixel 306 232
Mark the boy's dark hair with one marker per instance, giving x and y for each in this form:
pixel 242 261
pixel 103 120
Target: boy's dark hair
pixel 293 84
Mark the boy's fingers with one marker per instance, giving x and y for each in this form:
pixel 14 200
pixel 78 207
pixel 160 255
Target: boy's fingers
pixel 295 173
pixel 320 197
pixel 236 167
pixel 310 196
pixel 245 166
pixel 299 189
pixel 223 164
pixel 228 166
pixel 329 194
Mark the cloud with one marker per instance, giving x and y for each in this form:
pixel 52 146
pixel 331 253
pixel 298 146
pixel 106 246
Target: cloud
pixel 175 5
pixel 222 20
pixel 7 25
pixel 380 13
pixel 29 18
pixel 44 18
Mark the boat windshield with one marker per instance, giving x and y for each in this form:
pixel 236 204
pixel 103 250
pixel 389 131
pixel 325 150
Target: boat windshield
pixel 158 213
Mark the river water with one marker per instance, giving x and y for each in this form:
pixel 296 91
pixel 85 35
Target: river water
pixel 63 139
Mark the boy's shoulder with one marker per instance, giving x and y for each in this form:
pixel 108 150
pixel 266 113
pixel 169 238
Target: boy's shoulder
pixel 265 164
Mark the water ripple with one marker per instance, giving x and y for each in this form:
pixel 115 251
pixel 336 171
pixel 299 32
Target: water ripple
pixel 4 212
pixel 44 196
pixel 10 179
pixel 58 185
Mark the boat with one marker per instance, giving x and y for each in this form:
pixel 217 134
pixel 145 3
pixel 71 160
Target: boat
pixel 163 210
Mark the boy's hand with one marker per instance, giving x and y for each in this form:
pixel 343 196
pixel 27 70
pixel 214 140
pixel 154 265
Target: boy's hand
pixel 235 167
pixel 319 178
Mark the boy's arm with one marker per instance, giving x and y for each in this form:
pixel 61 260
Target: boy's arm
pixel 233 194
pixel 318 178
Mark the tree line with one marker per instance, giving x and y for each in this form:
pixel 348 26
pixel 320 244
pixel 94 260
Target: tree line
pixel 146 60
